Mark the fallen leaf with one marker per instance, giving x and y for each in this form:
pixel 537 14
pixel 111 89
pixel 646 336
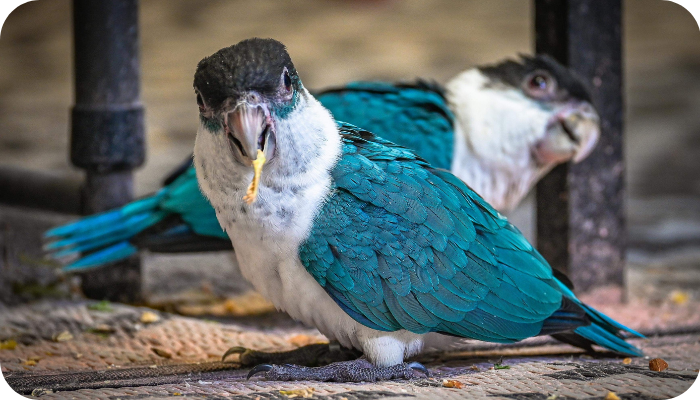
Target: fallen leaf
pixel 474 368
pixel 611 396
pixel 552 397
pixel 679 297
pixel 657 364
pixel 102 329
pixel 499 366
pixel 103 305
pixel 62 337
pixel 303 340
pixel 31 363
pixel 161 352
pixel 302 393
pixel 149 317
pixel 41 392
pixel 627 361
pixel 177 394
pixel 448 383
pixel 78 356
pixel 8 344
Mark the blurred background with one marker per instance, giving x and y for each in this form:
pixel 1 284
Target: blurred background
pixel 334 42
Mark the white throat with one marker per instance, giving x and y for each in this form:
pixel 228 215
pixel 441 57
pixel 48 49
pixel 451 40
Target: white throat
pixel 494 130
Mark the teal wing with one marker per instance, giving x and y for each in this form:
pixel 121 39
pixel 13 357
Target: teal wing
pixel 415 116
pixel 177 218
pixel 400 245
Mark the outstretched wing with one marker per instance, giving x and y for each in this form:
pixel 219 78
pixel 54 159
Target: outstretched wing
pixel 400 245
pixel 413 115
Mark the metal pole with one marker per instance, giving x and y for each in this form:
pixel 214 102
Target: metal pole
pixel 107 137
pixel 580 207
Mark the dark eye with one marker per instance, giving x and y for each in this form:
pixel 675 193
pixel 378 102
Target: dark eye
pixel 287 81
pixel 540 84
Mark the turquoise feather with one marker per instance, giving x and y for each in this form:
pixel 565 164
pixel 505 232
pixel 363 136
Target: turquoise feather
pixel 481 279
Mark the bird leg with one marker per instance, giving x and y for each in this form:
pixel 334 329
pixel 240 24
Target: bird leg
pixel 312 355
pixel 359 370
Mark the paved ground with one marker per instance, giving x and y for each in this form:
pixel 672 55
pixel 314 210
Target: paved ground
pixel 78 350
pixel 333 42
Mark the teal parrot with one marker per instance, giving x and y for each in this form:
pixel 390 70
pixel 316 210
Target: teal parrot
pixel 361 237
pixel 499 128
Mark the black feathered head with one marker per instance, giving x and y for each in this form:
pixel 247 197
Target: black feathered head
pixel 540 77
pixel 260 65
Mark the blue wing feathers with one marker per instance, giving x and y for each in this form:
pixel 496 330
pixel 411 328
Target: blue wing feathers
pixel 416 249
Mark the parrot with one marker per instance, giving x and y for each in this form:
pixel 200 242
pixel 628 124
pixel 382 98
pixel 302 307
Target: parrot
pixel 497 127
pixel 362 238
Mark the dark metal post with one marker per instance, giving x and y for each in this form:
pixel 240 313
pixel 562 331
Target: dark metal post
pixel 580 207
pixel 107 121
pixel 107 138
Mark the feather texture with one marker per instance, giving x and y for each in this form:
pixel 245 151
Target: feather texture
pixel 177 214
pixel 401 245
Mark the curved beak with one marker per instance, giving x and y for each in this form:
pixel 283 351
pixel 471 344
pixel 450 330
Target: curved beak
pixel 571 134
pixel 249 129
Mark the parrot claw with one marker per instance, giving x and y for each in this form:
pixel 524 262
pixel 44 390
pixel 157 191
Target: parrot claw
pixel 233 350
pixel 419 367
pixel 258 369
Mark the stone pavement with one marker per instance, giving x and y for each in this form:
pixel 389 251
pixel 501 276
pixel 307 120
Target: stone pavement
pixel 88 350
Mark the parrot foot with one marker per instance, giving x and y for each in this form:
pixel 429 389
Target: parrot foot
pixel 312 355
pixel 359 370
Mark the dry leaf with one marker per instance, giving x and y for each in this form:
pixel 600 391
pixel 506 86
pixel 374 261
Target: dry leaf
pixel 31 363
pixel 679 297
pixel 161 352
pixel 149 317
pixel 301 393
pixel 611 396
pixel 627 361
pixel 40 392
pixel 303 340
pixel 62 337
pixel 102 328
pixel 448 383
pixel 177 394
pixel 657 364
pixel 552 397
pixel 8 344
pixel 474 368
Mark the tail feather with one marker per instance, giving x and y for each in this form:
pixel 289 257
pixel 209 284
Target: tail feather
pixel 103 238
pixel 601 329
pixel 111 254
pixel 603 337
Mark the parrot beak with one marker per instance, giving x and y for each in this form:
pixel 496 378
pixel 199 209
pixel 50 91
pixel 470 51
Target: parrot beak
pixel 249 129
pixel 571 134
pixel 251 137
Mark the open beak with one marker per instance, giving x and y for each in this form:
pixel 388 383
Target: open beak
pixel 248 130
pixel 251 137
pixel 571 134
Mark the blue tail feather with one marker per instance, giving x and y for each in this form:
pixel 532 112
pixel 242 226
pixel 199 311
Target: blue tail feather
pixel 603 330
pixel 113 253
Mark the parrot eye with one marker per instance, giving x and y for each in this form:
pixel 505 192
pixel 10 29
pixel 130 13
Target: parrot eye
pixel 540 84
pixel 287 80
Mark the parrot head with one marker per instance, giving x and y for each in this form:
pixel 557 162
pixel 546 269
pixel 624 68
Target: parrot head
pixel 517 120
pixel 241 89
pixel 255 112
